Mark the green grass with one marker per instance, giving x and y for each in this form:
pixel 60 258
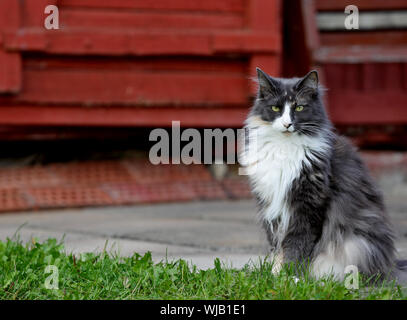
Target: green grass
pixel 109 276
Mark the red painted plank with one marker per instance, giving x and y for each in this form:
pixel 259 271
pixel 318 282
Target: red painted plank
pixel 371 77
pixel 309 23
pixel 109 43
pixel 247 42
pixel 405 76
pixel 79 18
pixel 132 88
pixel 10 72
pixel 335 76
pixel 10 62
pixel 207 5
pixel 357 54
pixel 332 5
pixel 367 76
pixel 33 12
pixel 9 15
pixel 121 116
pixel 393 76
pixel 141 43
pixel 212 65
pixel 265 15
pixel 371 38
pixel 352 76
pixel 16 132
pixel 347 108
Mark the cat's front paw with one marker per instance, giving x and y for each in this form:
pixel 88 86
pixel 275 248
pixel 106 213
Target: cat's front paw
pixel 277 261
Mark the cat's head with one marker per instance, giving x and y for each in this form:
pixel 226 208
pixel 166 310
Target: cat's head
pixel 290 106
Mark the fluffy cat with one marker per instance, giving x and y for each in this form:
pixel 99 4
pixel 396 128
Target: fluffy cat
pixel 317 201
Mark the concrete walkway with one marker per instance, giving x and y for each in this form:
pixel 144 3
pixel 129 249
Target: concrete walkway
pixel 198 232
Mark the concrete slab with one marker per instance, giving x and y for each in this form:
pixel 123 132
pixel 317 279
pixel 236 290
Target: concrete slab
pixel 81 242
pixel 216 226
pixel 198 232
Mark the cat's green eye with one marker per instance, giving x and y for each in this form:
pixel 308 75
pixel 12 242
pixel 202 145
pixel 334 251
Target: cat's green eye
pixel 275 108
pixel 299 108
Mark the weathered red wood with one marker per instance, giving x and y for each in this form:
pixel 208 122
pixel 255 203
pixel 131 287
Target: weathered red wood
pixel 135 88
pixel 393 76
pixel 15 132
pixel 332 5
pixel 405 76
pixel 214 65
pixel 109 43
pixel 376 76
pixel 120 116
pixel 83 18
pixel 311 40
pixel 346 108
pixel 34 15
pixel 371 77
pixel 370 38
pixel 377 107
pixel 309 22
pixel 141 42
pixel 364 71
pixel 371 139
pixel 352 78
pixel 9 15
pixel 207 5
pixel 10 62
pixel 247 42
pixel 141 62
pixel 358 54
pixel 10 72
pixel 334 76
pixel 264 16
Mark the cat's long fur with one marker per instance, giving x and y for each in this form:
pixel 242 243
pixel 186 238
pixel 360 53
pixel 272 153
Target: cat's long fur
pixel 316 199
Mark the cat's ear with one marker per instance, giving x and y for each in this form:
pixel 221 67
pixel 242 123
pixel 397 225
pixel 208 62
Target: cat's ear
pixel 267 85
pixel 310 81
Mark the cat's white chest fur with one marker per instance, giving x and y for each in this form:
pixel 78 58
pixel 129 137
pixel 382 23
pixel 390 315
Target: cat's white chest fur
pixel 274 160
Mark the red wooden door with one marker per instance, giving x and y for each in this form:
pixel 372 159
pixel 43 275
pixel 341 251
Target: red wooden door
pixel 134 62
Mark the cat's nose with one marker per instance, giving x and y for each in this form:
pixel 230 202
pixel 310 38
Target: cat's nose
pixel 287 125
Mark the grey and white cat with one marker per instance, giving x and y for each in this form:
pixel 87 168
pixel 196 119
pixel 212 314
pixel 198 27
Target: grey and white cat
pixel 316 199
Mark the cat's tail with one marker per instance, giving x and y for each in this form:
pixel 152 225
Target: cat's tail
pixel 401 272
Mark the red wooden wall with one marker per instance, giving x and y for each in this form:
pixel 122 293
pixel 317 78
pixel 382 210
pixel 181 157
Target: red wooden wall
pixel 134 62
pixel 364 70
